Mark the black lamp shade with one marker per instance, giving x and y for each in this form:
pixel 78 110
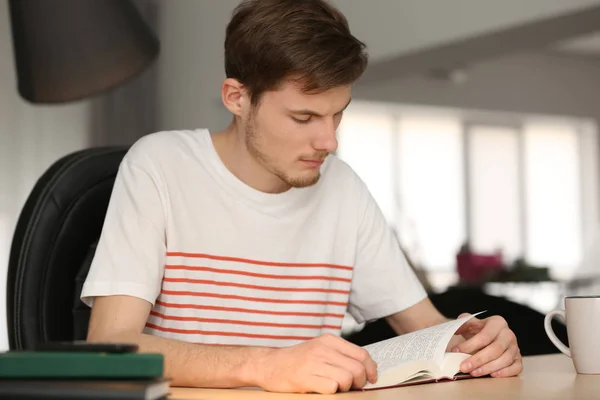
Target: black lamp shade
pixel 66 50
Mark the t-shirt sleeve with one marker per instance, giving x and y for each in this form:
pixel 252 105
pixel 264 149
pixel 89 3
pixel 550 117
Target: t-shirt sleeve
pixel 383 282
pixel 131 251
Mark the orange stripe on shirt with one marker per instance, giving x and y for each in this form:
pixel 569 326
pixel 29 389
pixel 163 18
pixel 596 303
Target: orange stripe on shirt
pixel 256 262
pixel 253 299
pixel 215 333
pixel 239 322
pixel 268 276
pixel 242 285
pixel 247 310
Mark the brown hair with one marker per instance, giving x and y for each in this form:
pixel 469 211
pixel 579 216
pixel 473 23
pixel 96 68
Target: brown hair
pixel 268 41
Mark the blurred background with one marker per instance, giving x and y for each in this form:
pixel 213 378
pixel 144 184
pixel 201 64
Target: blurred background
pixel 475 127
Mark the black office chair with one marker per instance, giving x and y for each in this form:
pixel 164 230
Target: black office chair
pixel 53 245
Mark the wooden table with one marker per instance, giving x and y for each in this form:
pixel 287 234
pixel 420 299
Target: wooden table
pixel 544 377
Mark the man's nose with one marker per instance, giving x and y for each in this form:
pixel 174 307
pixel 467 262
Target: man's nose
pixel 327 140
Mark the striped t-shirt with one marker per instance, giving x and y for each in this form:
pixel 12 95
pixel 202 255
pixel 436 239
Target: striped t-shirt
pixel 223 263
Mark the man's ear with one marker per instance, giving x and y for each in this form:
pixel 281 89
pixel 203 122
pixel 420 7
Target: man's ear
pixel 234 96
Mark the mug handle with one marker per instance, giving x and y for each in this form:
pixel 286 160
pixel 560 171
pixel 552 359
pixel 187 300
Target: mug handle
pixel 551 335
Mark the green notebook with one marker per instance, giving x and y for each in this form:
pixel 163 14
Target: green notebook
pixel 50 364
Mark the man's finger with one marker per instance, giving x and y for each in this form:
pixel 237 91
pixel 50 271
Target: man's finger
pixel 355 367
pixel 471 326
pixel 506 359
pixel 356 352
pixel 513 370
pixel 490 352
pixel 318 384
pixel 342 377
pixel 489 332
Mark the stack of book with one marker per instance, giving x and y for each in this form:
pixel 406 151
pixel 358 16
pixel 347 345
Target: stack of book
pixel 82 375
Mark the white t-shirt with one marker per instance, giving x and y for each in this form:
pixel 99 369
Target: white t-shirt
pixel 223 263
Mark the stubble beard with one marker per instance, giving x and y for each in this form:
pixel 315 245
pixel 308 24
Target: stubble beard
pixel 253 144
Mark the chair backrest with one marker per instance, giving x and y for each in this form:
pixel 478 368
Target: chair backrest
pixel 52 247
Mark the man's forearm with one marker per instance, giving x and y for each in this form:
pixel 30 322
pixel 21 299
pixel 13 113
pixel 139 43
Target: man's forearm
pixel 189 364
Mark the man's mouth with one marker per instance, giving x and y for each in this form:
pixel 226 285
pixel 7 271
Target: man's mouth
pixel 313 162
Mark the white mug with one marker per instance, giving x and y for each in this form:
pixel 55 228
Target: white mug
pixel 582 316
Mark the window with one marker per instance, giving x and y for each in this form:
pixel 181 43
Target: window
pixel 366 145
pixel 430 163
pixel 523 184
pixel 494 189
pixel 553 207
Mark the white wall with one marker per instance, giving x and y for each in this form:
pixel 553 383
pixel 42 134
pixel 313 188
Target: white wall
pixel 31 138
pixel 190 67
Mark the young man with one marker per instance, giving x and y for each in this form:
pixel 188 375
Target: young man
pixel 236 254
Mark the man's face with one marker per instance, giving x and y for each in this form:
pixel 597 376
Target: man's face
pixel 290 132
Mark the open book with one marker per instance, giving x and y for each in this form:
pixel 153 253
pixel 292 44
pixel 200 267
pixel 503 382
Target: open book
pixel 417 357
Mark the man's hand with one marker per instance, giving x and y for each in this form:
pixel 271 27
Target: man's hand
pixel 493 345
pixel 325 365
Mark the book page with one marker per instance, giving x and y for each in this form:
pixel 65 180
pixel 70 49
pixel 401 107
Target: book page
pixel 402 372
pixel 425 344
pixel 451 365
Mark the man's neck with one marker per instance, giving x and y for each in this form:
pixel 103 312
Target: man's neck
pixel 233 152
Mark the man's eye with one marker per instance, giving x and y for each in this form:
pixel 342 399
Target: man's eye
pixel 302 121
